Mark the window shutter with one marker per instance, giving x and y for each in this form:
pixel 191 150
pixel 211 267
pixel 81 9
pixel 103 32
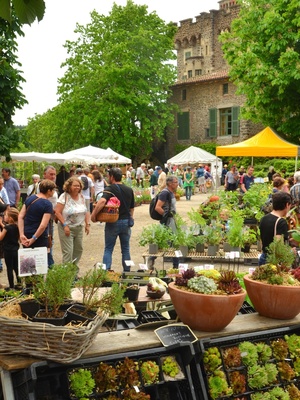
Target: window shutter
pixel 235 121
pixel 183 120
pixel 212 122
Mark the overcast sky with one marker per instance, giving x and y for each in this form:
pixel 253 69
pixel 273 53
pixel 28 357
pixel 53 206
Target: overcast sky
pixel 41 50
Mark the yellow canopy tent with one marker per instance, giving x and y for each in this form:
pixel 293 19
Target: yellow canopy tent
pixel 265 144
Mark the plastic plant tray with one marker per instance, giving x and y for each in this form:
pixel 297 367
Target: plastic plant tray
pixel 267 338
pixel 150 316
pixel 50 380
pixel 246 308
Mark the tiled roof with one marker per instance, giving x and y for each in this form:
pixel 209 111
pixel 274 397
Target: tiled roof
pixel 204 78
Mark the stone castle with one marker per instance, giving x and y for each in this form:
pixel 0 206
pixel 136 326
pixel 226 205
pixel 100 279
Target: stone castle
pixel 207 99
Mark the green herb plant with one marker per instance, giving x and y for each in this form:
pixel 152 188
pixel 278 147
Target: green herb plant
pixel 53 290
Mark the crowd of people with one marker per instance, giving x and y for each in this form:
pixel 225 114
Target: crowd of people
pixel 188 177
pixel 67 199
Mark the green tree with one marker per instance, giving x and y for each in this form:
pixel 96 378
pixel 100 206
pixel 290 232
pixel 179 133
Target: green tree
pixel 26 10
pixel 11 97
pixel 263 51
pixel 116 87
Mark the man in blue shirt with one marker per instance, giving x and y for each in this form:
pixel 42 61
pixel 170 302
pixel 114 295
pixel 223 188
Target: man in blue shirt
pixel 12 187
pixel 247 179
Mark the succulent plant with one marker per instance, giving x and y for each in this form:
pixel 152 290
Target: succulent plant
pixel 293 392
pixel 264 352
pixel 150 372
pixel 237 382
pixel 201 284
pixel 218 386
pixel 279 348
pixel 170 366
pixel 232 357
pixel 212 359
pixel 106 377
pixel 81 383
pixel 229 283
pixel 249 353
pixel 286 371
pixel 127 371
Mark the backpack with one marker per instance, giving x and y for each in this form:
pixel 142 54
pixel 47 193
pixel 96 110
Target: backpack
pixel 85 182
pixel 153 213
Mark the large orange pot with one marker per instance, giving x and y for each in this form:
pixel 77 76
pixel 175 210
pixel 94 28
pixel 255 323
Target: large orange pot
pixel 205 312
pixel 273 301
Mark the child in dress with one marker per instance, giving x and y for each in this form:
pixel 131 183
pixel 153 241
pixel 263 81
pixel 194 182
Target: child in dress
pixel 10 239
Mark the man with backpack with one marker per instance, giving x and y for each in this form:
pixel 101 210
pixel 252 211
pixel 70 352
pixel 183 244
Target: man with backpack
pixel 165 207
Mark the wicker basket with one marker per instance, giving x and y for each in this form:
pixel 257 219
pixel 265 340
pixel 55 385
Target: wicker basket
pixel 108 214
pixel 62 344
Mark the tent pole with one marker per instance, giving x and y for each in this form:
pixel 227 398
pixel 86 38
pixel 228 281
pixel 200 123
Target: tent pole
pixel 296 162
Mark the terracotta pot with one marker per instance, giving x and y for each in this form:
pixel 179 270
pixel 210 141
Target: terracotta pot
pixel 205 312
pixel 273 301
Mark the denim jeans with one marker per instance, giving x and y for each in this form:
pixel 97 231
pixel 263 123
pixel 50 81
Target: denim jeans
pixel 112 232
pixel 50 254
pixel 188 192
pixel 262 259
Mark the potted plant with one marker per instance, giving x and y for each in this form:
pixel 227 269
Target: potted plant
pixel 214 236
pixel 253 201
pixel 183 240
pixel 274 288
pixel 199 243
pixel 156 288
pixel 110 302
pixel 132 292
pixel 207 303
pixel 234 234
pixel 53 290
pixel 157 234
pixel 249 236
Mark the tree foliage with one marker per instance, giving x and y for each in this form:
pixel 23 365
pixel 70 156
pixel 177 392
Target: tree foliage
pixel 117 81
pixel 263 51
pixel 10 79
pixel 26 10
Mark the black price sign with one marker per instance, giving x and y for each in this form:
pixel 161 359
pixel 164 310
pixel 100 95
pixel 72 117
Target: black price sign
pixel 175 333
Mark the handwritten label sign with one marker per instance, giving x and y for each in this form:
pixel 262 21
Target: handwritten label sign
pixel 175 333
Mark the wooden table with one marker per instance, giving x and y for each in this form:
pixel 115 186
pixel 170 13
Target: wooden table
pixel 118 342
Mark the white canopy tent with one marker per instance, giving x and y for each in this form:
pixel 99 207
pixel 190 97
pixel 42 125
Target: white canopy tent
pixel 96 155
pixel 195 155
pixel 86 155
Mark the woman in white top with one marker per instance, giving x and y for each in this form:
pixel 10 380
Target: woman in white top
pixel 99 184
pixel 72 216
